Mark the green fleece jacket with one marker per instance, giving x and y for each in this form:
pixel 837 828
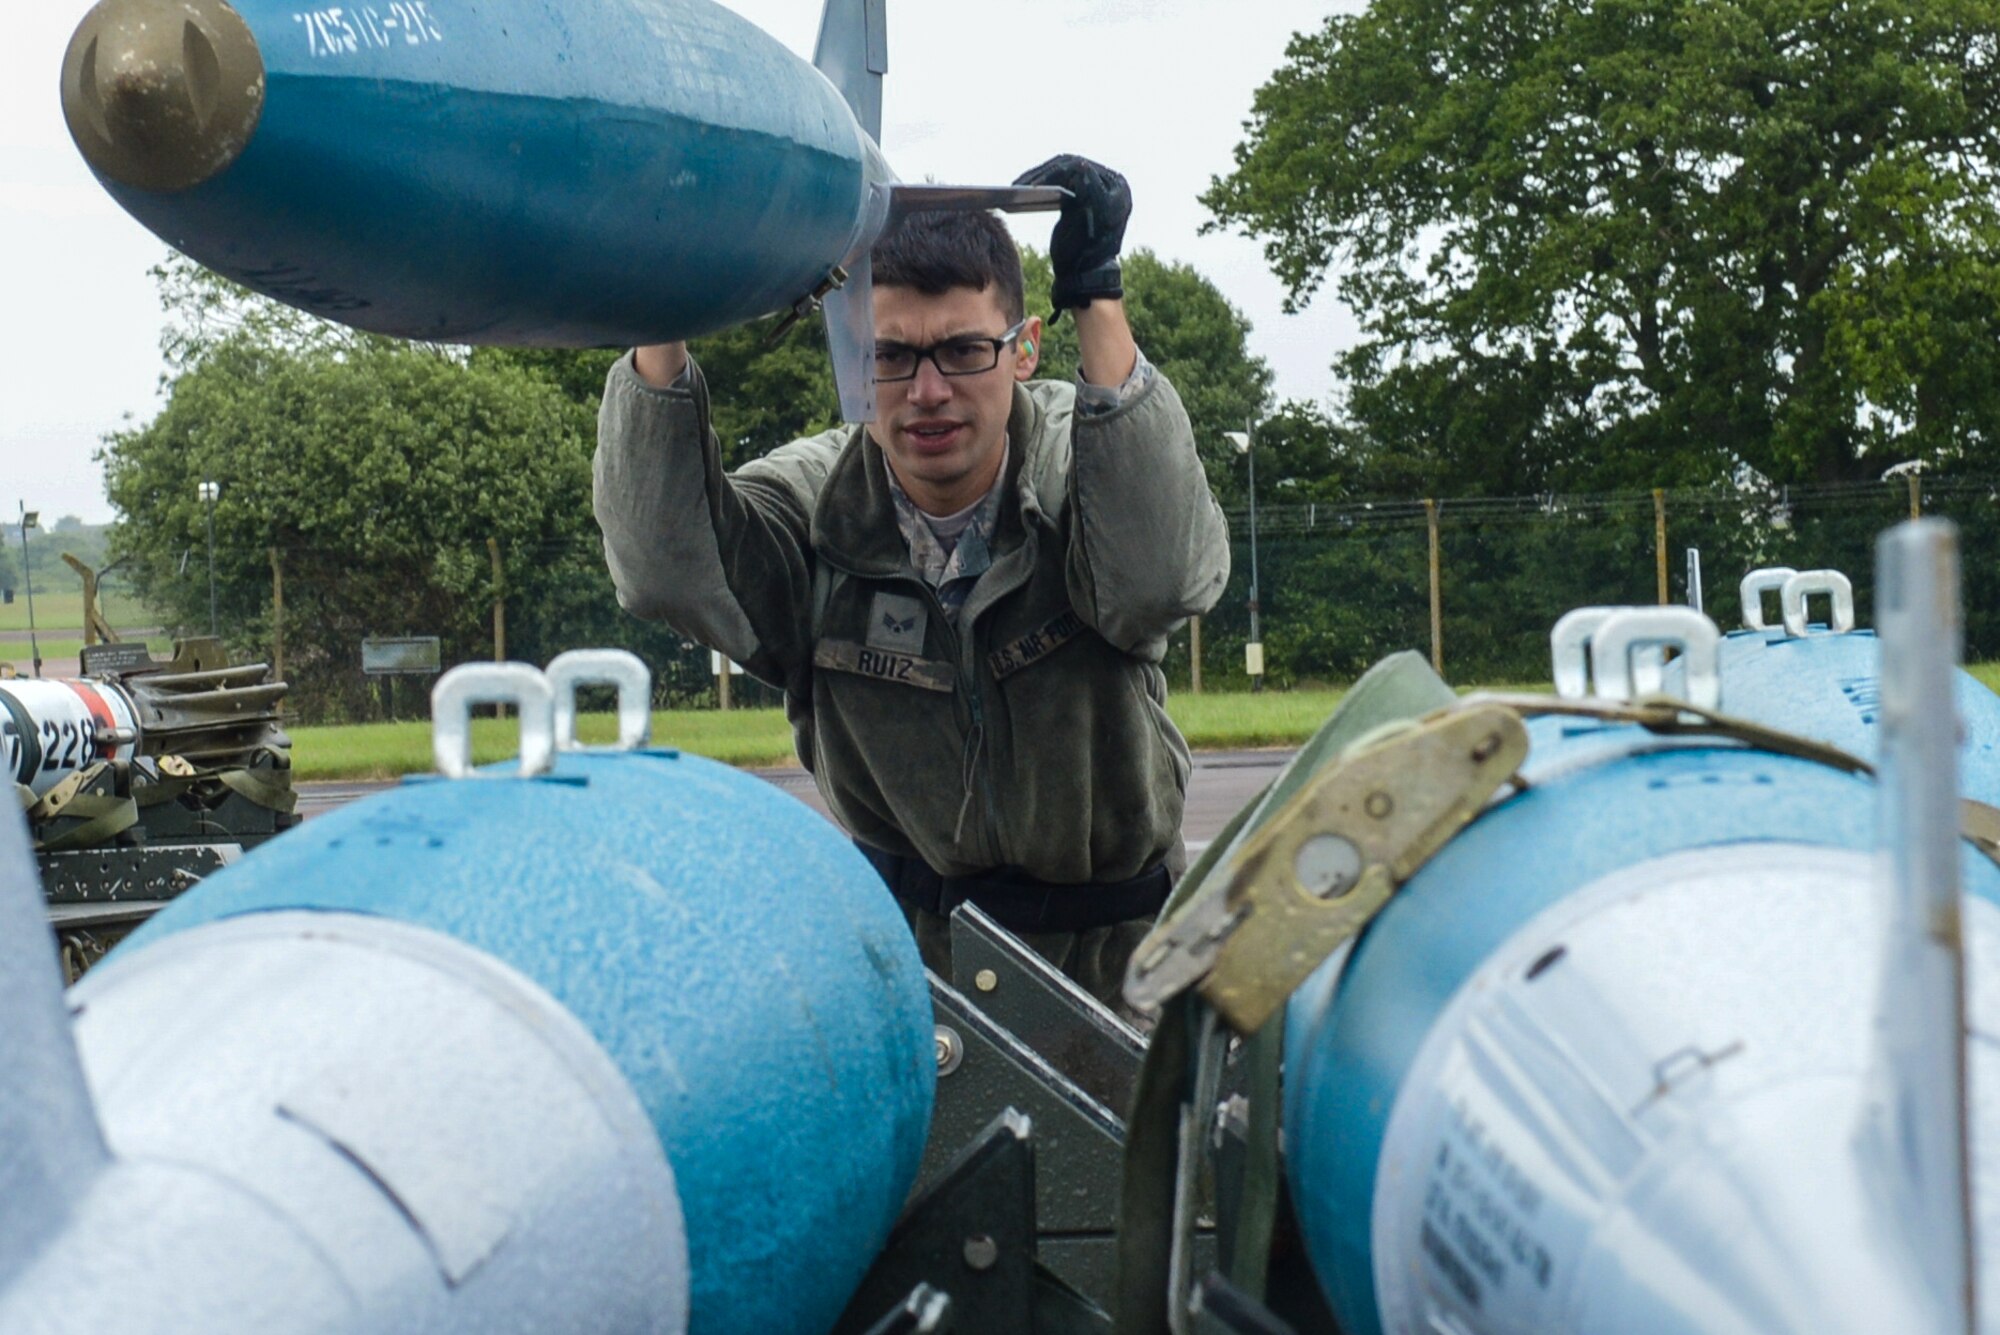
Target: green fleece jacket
pixel 1028 731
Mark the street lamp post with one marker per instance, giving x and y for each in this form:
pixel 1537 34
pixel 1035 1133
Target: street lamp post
pixel 1911 471
pixel 1253 652
pixel 29 519
pixel 209 491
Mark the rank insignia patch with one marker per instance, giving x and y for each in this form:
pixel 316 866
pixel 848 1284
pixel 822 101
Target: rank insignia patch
pixel 896 623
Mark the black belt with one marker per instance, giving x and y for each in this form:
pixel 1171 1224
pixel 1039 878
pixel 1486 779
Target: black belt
pixel 1020 902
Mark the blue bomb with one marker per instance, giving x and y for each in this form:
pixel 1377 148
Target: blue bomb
pixel 540 1051
pixel 519 172
pixel 1687 1034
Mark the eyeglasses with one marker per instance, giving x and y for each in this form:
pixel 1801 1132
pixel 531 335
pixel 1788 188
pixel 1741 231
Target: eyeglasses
pixel 954 356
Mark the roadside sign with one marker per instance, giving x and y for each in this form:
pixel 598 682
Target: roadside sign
pixel 402 656
pixel 115 660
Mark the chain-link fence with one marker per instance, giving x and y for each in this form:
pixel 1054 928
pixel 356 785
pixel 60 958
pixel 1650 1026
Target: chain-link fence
pixel 1340 585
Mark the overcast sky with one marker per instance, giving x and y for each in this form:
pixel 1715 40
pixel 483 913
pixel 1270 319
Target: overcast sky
pixel 1156 88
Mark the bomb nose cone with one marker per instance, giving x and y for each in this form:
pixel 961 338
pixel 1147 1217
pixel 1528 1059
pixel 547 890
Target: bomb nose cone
pixel 162 94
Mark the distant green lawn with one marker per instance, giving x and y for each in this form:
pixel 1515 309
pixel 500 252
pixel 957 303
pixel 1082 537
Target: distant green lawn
pixel 388 750
pixel 755 737
pixel 61 610
pixel 762 737
pixel 1217 721
pixel 68 646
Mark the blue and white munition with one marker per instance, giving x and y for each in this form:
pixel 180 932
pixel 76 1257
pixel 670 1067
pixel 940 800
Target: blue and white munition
pixel 509 171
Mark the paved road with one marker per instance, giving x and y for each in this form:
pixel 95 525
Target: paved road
pixel 1223 781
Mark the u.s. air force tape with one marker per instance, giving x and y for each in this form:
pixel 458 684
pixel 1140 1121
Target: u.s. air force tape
pixel 1037 644
pixel 883 665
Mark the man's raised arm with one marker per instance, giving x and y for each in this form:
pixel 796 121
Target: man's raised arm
pixel 661 365
pixel 723 560
pixel 1148 546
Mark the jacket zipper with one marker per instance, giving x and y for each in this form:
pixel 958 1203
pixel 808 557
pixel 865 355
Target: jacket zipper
pixel 974 776
pixel 973 767
pixel 983 775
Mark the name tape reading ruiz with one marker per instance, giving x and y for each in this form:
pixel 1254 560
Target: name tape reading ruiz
pixel 883 665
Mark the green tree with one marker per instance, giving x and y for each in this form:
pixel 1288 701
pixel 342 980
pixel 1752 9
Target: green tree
pixel 763 393
pixel 377 474
pixel 46 544
pixel 1645 242
pixel 1304 456
pixel 376 470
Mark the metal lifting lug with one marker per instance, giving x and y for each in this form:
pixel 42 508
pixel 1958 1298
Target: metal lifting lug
pixel 1322 866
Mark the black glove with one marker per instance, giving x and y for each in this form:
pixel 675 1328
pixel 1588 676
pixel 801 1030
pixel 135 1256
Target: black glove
pixel 1084 250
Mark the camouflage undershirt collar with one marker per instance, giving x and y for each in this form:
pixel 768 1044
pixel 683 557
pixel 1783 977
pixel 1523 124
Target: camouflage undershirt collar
pixel 951 566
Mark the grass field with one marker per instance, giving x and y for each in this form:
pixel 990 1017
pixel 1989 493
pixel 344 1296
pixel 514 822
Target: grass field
pixel 1213 722
pixel 754 737
pixel 67 645
pixel 61 610
pixel 387 750
pixel 59 624
pixel 762 737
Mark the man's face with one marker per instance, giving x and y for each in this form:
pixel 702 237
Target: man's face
pixel 942 434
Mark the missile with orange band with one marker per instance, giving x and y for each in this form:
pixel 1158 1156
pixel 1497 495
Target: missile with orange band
pixel 50 730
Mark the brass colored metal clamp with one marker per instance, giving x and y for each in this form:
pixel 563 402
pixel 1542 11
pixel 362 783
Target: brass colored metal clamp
pixel 1323 865
pixel 1318 870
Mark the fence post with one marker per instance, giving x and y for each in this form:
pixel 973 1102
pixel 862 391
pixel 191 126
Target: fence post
pixel 722 683
pixel 499 603
pixel 96 630
pixel 1194 654
pixel 277 617
pixel 1916 495
pixel 499 614
pixel 1437 601
pixel 1660 541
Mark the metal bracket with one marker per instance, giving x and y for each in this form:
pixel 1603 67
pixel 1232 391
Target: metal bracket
pixel 1080 1142
pixel 1030 998
pixel 1837 588
pixel 1616 648
pixel 1325 864
pixel 971 1235
pixel 1620 653
pixel 519 684
pixel 836 277
pixel 1572 647
pixel 1753 588
pixel 1569 649
pixel 602 667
